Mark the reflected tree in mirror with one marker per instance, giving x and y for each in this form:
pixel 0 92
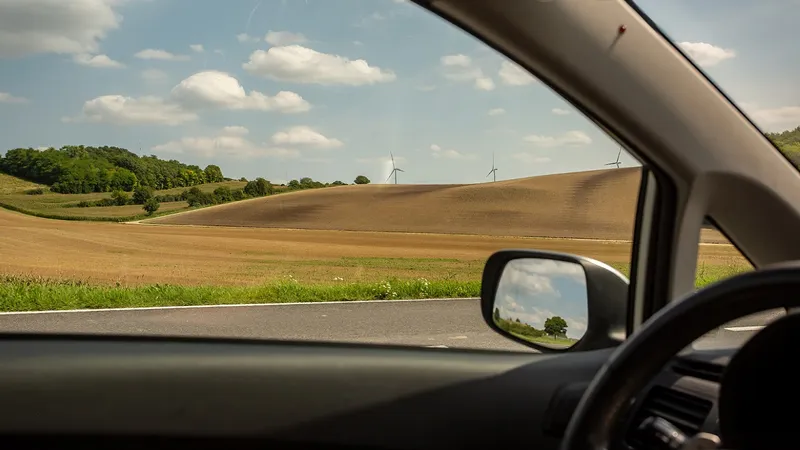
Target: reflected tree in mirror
pixel 542 301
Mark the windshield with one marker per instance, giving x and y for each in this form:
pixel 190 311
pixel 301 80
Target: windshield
pixel 318 170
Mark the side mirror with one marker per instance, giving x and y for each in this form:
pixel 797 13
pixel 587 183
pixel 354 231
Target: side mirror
pixel 554 302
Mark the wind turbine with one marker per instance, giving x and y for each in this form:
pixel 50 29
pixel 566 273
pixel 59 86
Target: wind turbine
pixel 394 171
pixel 617 162
pixel 492 172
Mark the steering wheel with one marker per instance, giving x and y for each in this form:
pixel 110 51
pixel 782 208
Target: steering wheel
pixel 645 353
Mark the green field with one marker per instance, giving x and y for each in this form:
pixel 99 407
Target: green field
pixel 19 293
pixel 51 205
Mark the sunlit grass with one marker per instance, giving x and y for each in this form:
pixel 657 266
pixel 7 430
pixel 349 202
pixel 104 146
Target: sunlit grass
pixel 20 293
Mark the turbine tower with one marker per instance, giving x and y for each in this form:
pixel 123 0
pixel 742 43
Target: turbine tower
pixel 394 171
pixel 492 172
pixel 617 162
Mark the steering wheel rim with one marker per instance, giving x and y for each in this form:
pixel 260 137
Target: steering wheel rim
pixel 644 354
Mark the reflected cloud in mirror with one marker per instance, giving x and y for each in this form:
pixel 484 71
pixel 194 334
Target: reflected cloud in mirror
pixel 542 301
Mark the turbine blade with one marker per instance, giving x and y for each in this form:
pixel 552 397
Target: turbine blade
pixel 390 176
pixel 610 164
pixel 399 170
pixel 619 153
pixel 490 172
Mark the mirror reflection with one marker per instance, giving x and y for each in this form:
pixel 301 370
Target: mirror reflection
pixel 542 301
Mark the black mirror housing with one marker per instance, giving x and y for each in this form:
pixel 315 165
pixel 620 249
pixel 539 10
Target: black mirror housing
pixel 605 298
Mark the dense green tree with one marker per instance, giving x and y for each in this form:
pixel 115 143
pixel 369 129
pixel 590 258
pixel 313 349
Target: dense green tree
pixel 141 194
pixel 361 179
pixel 555 326
pixel 151 206
pixel 120 198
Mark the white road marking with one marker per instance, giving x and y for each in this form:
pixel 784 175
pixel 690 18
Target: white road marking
pixel 458 337
pixel 745 328
pixel 238 305
pixel 436 346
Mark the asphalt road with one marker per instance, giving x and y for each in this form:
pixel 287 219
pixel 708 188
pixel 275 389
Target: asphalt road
pixel 448 323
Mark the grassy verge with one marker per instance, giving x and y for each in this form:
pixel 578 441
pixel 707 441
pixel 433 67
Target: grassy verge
pixel 38 294
pixel 33 294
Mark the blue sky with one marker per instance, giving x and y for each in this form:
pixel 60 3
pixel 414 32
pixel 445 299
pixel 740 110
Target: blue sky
pixel 533 290
pixel 328 88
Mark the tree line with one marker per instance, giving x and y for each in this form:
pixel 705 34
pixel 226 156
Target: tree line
pixel 78 169
pixel 554 326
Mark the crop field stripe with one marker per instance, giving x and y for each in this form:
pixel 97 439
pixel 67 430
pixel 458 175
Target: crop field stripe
pixel 239 305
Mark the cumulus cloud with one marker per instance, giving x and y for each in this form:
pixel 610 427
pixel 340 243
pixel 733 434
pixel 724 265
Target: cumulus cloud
pixel 161 55
pixel 97 61
pixel 570 138
pixel 560 111
pixel 197 48
pixel 224 145
pixel 496 111
pixel 5 97
pixel 461 68
pixel 203 90
pixel 438 152
pixel 705 54
pixel 214 89
pixel 61 27
pixel 121 110
pixel 284 38
pixel 305 136
pixel 298 64
pixel 514 75
pixel 235 130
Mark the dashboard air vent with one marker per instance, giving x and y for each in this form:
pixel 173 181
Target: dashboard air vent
pixel 699 369
pixel 682 410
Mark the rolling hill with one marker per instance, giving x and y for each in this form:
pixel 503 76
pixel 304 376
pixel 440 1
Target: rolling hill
pixel 598 204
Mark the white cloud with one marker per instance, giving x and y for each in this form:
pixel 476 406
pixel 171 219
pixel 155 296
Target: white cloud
pixel 705 54
pixel 514 75
pixel 235 130
pixel 62 27
pixel 527 158
pixel 439 152
pixel 279 38
pixel 496 111
pixel 203 90
pixel 570 138
pixel 224 145
pixel 426 88
pixel 773 119
pixel 161 55
pixel 154 75
pixel 197 48
pixel 461 68
pixel 244 37
pixel 121 110
pixel 97 61
pixel 214 89
pixel 5 97
pixel 295 63
pixel 560 111
pixel 306 136
pixel 484 84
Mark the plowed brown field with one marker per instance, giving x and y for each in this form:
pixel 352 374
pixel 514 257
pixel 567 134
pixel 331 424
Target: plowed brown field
pixel 598 205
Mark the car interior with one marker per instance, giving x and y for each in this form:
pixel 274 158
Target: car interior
pixel 633 381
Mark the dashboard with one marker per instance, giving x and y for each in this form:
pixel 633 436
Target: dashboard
pixel 685 394
pixel 150 392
